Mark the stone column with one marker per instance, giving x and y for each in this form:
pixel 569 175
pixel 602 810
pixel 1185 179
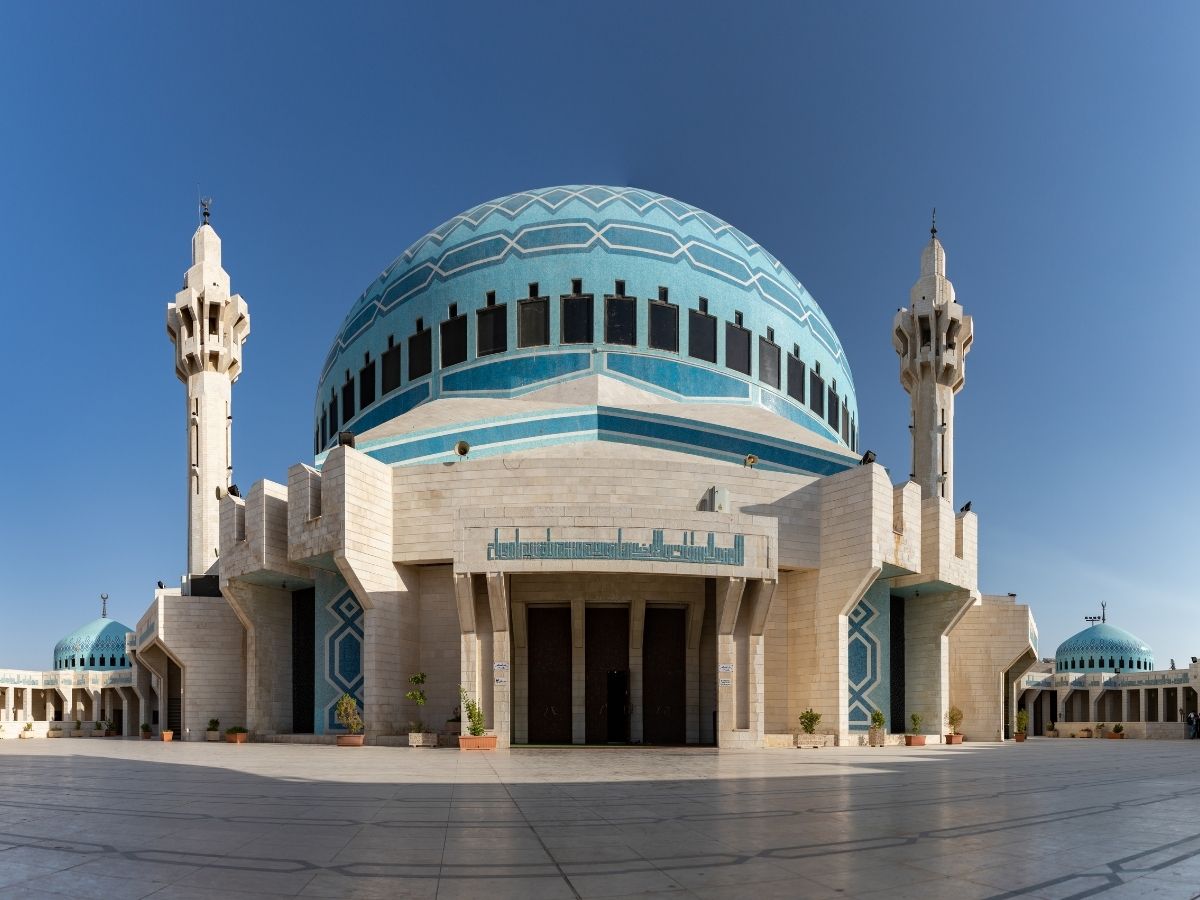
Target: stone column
pixel 501 674
pixel 729 601
pixel 4 703
pixel 464 595
pixel 637 621
pixel 27 704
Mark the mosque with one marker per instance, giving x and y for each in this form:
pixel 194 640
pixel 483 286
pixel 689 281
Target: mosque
pixel 594 455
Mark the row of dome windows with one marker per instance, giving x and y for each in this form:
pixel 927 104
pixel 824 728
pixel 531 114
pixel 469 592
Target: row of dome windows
pixel 86 662
pixel 577 327
pixel 1113 663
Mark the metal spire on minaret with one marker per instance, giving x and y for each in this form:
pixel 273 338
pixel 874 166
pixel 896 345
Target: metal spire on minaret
pixel 208 326
pixel 932 337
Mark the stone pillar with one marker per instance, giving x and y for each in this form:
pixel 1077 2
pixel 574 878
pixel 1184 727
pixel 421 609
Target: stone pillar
pixel 578 673
pixel 464 595
pixel 4 704
pixel 761 597
pixel 729 601
pixel 501 674
pixel 27 704
pixel 637 622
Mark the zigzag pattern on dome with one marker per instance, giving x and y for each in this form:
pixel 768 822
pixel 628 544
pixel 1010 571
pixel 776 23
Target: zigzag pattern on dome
pixel 405 278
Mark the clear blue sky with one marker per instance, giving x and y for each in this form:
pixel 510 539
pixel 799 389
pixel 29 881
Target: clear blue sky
pixel 1058 141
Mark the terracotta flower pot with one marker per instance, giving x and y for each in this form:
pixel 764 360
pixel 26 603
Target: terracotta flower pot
pixel 350 740
pixel 954 739
pixel 914 740
pixel 471 742
pixel 146 735
pixel 1019 737
pixel 1115 735
pixel 236 737
pixel 168 736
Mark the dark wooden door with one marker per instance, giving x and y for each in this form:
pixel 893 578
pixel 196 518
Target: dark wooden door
pixel 664 677
pixel 606 649
pixel 548 633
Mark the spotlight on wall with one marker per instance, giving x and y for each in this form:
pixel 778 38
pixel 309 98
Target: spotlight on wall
pixel 462 448
pixel 346 439
pixel 868 458
pixel 161 585
pixel 750 461
pixel 965 508
pixel 234 491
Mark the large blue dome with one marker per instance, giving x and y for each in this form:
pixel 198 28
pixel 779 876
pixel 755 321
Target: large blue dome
pixel 549 285
pixel 1103 648
pixel 100 644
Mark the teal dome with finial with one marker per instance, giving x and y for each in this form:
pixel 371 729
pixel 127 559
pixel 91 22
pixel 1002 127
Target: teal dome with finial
pixel 100 644
pixel 1103 648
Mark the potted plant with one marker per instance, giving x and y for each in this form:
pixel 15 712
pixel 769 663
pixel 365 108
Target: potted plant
pixel 954 717
pixel 167 735
pixel 214 730
pixel 875 734
pixel 1118 732
pixel 914 738
pixel 1085 733
pixel 418 734
pixel 236 734
pixel 78 732
pixel 145 730
pixel 110 730
pixel 97 729
pixel 1022 725
pixel 1100 726
pixel 1052 731
pixel 56 730
pixel 809 720
pixel 348 715
pixel 27 731
pixel 476 739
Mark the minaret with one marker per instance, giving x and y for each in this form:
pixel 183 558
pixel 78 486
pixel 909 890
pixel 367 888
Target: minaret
pixel 207 327
pixel 933 338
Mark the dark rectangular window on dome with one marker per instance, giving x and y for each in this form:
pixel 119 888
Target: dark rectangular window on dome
pixel 845 423
pixel 831 410
pixel 533 322
pixel 391 367
pixel 816 394
pixel 491 327
pixel 702 335
pixel 348 400
pixel 620 319
pixel 454 341
pixel 366 385
pixel 324 433
pixel 664 325
pixel 333 415
pixel 768 362
pixel 737 348
pixel 577 319
pixel 795 378
pixel 420 353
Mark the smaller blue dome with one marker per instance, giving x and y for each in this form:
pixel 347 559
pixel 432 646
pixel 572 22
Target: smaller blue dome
pixel 1103 648
pixel 99 644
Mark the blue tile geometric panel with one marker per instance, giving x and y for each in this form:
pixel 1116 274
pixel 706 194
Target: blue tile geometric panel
pixel 339 649
pixel 867 658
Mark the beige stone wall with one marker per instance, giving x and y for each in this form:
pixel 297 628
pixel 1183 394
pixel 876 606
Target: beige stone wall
pixel 989 639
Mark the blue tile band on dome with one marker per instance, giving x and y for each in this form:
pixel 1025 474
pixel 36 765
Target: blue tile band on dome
pixel 552 240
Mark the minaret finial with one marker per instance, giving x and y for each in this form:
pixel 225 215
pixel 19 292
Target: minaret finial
pixel 205 204
pixel 932 223
pixel 104 606
pixel 1103 610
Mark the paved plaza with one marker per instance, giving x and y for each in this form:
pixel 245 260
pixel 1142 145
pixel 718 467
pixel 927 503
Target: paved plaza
pixel 1050 819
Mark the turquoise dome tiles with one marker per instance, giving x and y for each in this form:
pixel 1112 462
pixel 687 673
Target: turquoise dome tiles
pixel 99 644
pixel 1103 648
pixel 554 240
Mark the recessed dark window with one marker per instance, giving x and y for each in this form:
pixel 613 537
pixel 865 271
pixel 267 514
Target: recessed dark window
pixel 664 324
pixel 831 410
pixel 662 294
pixel 845 423
pixel 391 367
pixel 366 384
pixel 619 287
pixel 420 352
pixel 452 311
pixel 489 298
pixel 333 414
pixel 323 432
pixel 533 322
pixel 768 361
pixel 122 660
pixel 620 317
pixel 348 399
pixel 853 434
pixel 577 318
pixel 816 391
pixel 795 378
pixel 737 319
pixel 703 306
pixel 702 334
pixel 317 439
pixel 576 286
pixel 737 347
pixel 454 339
pixel 491 329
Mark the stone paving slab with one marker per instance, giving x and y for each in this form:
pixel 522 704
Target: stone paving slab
pixel 1045 820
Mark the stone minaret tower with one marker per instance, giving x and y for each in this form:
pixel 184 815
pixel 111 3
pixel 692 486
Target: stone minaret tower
pixel 207 327
pixel 933 338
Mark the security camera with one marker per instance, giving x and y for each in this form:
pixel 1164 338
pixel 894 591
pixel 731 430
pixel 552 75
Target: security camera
pixel 751 460
pixel 462 448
